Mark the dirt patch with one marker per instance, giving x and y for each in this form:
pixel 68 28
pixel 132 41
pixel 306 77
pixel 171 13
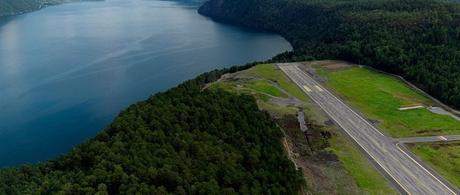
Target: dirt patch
pixel 332 64
pixel 284 102
pixel 431 132
pixel 322 169
pixel 232 77
pixel 307 143
pixel 452 155
pixel 373 121
pixel 326 156
pixel 407 99
pixel 329 123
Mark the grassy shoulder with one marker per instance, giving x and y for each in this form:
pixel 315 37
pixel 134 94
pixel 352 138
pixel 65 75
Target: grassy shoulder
pixel 349 172
pixel 444 158
pixel 380 96
pixel 365 174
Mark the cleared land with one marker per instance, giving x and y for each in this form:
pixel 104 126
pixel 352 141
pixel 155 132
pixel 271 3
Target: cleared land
pixel 403 169
pixel 349 172
pixel 380 96
pixel 444 158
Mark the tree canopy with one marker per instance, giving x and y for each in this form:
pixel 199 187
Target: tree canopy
pixel 183 141
pixel 417 39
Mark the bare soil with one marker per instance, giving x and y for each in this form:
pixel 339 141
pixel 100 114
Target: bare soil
pixel 332 64
pixel 322 170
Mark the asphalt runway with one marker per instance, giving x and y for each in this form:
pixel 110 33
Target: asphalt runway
pixel 409 174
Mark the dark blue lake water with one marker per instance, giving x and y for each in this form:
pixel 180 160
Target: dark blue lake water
pixel 66 71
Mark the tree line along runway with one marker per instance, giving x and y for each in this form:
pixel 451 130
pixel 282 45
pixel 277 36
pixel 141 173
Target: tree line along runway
pixel 409 174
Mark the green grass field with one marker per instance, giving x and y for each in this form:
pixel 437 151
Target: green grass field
pixel 265 87
pixel 444 158
pixel 270 72
pixel 379 96
pixel 366 177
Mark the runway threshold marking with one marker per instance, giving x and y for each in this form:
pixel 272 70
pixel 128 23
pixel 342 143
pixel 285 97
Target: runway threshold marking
pixel 319 88
pixel 307 88
pixel 397 146
pixel 350 134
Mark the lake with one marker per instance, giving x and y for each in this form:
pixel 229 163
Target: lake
pixel 66 71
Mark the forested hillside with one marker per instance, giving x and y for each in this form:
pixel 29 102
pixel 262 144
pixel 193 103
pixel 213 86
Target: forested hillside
pixel 417 39
pixel 183 141
pixel 14 7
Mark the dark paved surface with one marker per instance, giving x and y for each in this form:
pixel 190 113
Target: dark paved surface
pixel 443 138
pixel 406 172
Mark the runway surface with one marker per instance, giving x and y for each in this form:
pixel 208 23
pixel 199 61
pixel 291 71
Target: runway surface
pixel 396 162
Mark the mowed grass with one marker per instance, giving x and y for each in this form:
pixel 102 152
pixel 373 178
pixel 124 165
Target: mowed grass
pixel 379 96
pixel 265 87
pixel 271 72
pixel 366 177
pixel 444 158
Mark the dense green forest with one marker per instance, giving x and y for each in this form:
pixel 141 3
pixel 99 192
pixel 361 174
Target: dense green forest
pixel 183 141
pixel 417 39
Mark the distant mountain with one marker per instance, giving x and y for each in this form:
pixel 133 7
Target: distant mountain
pixel 14 7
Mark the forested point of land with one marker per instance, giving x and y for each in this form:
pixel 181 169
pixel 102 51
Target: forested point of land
pixel 14 7
pixel 183 141
pixel 417 39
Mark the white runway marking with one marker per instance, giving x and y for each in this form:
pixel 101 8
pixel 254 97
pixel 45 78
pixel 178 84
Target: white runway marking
pixel 410 108
pixel 319 88
pixel 405 171
pixel 306 88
